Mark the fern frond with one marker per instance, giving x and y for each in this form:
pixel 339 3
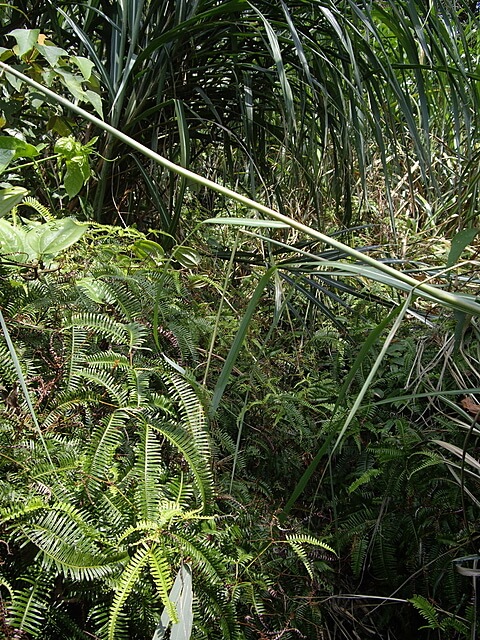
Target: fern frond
pixel 105 380
pixel 38 207
pixel 108 360
pixel 184 443
pixel 65 546
pixel 149 469
pixel 29 605
pixel 427 610
pixel 100 455
pixel 163 580
pixel 78 348
pixel 364 479
pixel 137 334
pixel 17 511
pixel 359 552
pixel 139 386
pixel 308 539
pixel 101 324
pixel 126 584
pixel 4 583
pixel 207 560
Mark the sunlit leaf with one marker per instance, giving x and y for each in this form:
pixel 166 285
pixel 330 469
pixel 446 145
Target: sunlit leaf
pixel 74 178
pixel 49 239
pixel 148 249
pixel 51 53
pixel 9 198
pixel 84 64
pixel 26 39
pixel 12 241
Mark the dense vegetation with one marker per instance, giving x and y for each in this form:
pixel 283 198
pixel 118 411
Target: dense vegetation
pixel 240 339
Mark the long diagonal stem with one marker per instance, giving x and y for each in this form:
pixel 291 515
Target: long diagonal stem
pixel 443 297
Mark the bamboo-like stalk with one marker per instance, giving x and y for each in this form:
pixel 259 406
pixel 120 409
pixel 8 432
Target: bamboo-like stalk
pixel 442 297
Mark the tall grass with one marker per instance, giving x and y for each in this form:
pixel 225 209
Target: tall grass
pixel 314 107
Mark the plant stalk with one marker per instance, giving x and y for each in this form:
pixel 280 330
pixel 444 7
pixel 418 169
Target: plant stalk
pixel 443 297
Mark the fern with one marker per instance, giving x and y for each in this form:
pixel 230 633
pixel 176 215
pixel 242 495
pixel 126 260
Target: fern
pixel 163 581
pixel 359 553
pixel 102 447
pixel 28 201
pixel 296 543
pixel 125 587
pixel 149 468
pixel 30 604
pixel 183 442
pixel 427 610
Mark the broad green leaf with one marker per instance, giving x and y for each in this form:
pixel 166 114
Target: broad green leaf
pixel 186 256
pixel 51 53
pixel 68 147
pixel 59 125
pixel 74 178
pixel 12 242
pixel 21 148
pixel 49 239
pixel 78 169
pixel 84 64
pixel 9 198
pixel 459 243
pixel 95 100
pixel 73 84
pixel 6 156
pixel 11 148
pixel 149 249
pixel 62 234
pixel 248 222
pixel 26 40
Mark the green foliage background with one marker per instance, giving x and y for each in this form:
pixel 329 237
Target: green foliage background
pixel 190 388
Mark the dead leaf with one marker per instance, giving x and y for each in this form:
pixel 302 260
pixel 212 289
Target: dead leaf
pixel 469 405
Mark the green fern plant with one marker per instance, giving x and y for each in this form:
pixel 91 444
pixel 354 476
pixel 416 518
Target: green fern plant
pixel 121 492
